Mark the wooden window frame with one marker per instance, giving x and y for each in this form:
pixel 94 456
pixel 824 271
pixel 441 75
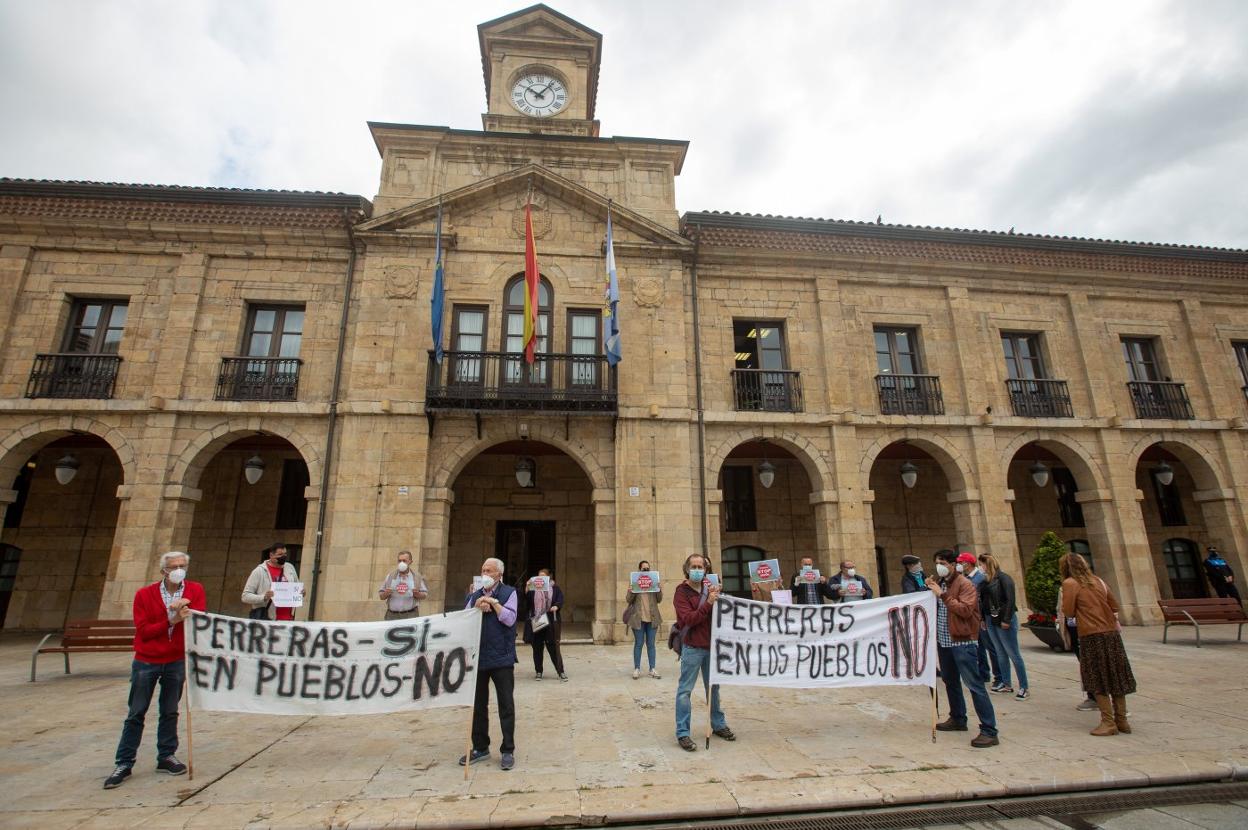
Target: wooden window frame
pixel 596 382
pixel 279 329
pixel 1153 352
pixel 1036 343
pixel 748 499
pixel 1240 349
pixel 526 371
pixel 763 323
pixel 920 359
pixel 76 312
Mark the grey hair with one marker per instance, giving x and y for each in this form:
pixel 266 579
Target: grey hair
pixel 498 563
pixel 165 557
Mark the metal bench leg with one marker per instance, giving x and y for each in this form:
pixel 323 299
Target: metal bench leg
pixel 34 658
pixel 1195 625
pixel 66 654
pixel 1165 633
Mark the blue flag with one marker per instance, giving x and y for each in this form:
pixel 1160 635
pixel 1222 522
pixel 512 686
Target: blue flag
pixel 437 300
pixel 611 314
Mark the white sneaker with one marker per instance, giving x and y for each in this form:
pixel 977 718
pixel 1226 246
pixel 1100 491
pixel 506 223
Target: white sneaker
pixel 655 674
pixel 636 673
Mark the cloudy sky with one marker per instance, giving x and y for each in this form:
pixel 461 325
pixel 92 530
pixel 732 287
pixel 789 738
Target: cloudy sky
pixel 1120 120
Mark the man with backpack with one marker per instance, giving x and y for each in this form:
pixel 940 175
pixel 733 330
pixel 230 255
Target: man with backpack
pixel 694 601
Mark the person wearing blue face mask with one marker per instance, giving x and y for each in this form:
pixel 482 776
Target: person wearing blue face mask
pixel 693 601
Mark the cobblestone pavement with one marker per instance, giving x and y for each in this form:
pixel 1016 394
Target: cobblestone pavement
pixel 602 748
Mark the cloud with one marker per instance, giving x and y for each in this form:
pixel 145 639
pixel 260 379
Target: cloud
pixel 1122 119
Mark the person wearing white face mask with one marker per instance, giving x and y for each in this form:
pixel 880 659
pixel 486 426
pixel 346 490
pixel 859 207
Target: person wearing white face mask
pixel 160 609
pixel 848 586
pixel 496 663
pixel 403 589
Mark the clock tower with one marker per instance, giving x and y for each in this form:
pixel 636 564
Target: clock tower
pixel 541 73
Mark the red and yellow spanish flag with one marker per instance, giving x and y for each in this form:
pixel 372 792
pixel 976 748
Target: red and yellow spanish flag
pixel 530 285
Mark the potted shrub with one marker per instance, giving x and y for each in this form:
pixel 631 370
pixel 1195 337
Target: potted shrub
pixel 1043 581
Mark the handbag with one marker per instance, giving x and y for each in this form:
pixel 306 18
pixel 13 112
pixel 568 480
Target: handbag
pixel 261 613
pixel 627 615
pixel 539 623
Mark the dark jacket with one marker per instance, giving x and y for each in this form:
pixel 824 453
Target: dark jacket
pixel 997 598
pixel 498 641
pixel 822 591
pixel 834 585
pixel 912 583
pixel 697 620
pixel 1217 569
pixel 550 632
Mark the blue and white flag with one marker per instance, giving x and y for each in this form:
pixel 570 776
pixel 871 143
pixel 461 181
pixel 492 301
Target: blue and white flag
pixel 611 314
pixel 437 300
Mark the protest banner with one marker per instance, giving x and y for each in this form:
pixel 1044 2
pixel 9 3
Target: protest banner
pixel 765 570
pixel 643 582
pixel 307 668
pixel 880 642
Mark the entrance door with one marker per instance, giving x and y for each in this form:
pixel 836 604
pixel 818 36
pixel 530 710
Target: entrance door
pixel 525 548
pixel 1183 569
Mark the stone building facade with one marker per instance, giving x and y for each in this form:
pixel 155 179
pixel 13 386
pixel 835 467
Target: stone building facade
pixel 223 369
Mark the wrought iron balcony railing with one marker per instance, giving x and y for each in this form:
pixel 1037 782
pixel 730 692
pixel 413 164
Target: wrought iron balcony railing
pixel 258 379
pixel 73 375
pixel 910 394
pixel 766 390
pixel 1160 399
pixel 1040 398
pixel 503 381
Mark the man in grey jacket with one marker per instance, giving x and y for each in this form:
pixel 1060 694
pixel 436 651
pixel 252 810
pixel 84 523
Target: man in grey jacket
pixel 258 592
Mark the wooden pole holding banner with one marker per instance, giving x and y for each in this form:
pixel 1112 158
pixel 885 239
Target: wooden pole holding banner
pixel 468 746
pixel 935 709
pixel 708 713
pixel 190 742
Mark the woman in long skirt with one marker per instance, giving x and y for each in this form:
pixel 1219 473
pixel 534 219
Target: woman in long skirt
pixel 1103 663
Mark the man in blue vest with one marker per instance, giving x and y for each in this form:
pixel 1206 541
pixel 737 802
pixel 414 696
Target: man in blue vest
pixel 496 661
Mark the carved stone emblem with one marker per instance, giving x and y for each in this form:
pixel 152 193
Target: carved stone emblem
pixel 648 293
pixel 401 282
pixel 541 215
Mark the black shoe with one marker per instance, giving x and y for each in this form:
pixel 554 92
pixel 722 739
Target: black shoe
pixel 563 677
pixel 951 725
pixel 119 774
pixel 537 676
pixel 687 744
pixel 509 760
pixel 477 755
pixel 981 740
pixel 171 765
pixel 725 733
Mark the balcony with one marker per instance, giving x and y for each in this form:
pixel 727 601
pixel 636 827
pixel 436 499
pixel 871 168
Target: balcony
pixel 73 376
pixel 258 379
pixel 910 394
pixel 1040 398
pixel 1160 399
pixel 766 390
pixel 503 382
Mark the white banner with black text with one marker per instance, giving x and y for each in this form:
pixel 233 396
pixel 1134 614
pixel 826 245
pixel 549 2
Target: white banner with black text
pixel 876 642
pixel 310 668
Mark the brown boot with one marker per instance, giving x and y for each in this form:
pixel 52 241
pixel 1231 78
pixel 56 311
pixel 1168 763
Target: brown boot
pixel 1120 714
pixel 1107 717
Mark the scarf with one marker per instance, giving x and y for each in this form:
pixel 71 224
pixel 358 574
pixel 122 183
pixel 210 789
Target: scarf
pixel 541 602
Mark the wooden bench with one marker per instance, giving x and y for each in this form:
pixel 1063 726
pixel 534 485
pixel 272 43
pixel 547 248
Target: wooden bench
pixel 87 636
pixel 1198 612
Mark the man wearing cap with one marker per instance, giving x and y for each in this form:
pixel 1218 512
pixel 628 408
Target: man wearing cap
pixel 957 646
pixel 968 566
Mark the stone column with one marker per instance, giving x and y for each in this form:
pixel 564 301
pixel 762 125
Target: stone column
pixel 179 326
pixel 151 520
pixel 435 535
pixel 7 497
pixel 968 519
pixel 312 494
pixel 607 626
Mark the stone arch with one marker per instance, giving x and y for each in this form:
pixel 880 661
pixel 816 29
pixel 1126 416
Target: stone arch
pixel 1077 458
pixel 560 284
pixel 24 442
pixel 808 454
pixel 191 462
pixel 949 457
pixel 458 457
pixel 1206 471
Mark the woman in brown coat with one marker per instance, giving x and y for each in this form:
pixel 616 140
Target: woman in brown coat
pixel 1103 663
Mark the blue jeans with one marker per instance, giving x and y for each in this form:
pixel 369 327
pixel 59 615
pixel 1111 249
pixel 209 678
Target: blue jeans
pixel 988 652
pixel 959 665
pixel 143 680
pixel 1005 642
pixel 692 659
pixel 644 634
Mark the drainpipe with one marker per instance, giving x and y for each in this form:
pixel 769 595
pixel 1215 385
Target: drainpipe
pixel 697 385
pixel 327 461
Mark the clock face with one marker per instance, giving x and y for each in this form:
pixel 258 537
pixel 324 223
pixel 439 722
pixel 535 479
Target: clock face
pixel 539 95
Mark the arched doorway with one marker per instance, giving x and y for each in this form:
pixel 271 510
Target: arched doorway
pixel 765 513
pixel 236 517
pixel 529 504
pixel 58 532
pixel 1185 510
pixel 911 512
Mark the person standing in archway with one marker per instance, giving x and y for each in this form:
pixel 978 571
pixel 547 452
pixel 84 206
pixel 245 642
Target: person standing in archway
pixel 1221 577
pixel 258 592
pixel 542 628
pixel 496 663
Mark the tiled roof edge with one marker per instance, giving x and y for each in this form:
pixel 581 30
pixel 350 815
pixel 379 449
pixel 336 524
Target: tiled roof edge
pixel 840 227
pixel 178 193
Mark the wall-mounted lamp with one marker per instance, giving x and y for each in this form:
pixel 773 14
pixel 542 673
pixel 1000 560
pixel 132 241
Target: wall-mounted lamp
pixel 1039 473
pixel 67 468
pixel 526 472
pixel 253 469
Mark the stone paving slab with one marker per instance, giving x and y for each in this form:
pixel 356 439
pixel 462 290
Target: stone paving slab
pixel 601 748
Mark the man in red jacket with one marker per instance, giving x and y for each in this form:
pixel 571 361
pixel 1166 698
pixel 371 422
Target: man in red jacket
pixel 160 610
pixel 694 600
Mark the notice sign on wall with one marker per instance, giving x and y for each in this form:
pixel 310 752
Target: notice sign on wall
pixel 879 642
pixel 285 668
